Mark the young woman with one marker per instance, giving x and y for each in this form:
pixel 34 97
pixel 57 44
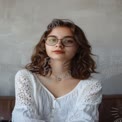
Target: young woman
pixel 57 85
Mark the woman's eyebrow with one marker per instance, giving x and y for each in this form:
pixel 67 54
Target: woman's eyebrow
pixel 51 36
pixel 69 36
pixel 63 37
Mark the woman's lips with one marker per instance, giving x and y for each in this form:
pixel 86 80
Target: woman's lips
pixel 58 51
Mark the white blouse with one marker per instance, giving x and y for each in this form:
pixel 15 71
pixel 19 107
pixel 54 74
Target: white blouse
pixel 35 103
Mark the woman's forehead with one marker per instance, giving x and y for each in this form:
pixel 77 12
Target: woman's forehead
pixel 61 31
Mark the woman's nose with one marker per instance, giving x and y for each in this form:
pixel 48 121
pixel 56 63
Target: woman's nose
pixel 60 44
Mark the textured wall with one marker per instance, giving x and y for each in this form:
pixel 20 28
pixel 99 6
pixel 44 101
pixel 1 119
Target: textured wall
pixel 23 21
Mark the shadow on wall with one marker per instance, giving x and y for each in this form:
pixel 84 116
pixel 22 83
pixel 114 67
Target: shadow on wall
pixel 113 85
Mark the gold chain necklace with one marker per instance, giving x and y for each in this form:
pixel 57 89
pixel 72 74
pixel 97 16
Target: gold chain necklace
pixel 62 76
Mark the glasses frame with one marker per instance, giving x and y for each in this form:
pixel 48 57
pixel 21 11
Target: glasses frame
pixel 61 40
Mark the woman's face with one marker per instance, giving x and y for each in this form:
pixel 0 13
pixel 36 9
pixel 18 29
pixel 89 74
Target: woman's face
pixel 59 51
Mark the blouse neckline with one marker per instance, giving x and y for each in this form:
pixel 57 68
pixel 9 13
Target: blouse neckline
pixel 60 97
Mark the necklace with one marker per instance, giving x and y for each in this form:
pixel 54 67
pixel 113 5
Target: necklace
pixel 62 76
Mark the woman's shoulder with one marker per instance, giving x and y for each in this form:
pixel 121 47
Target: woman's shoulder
pixel 24 74
pixel 91 82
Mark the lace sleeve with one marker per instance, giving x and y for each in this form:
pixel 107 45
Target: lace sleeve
pixel 92 93
pixel 25 109
pixel 86 109
pixel 23 90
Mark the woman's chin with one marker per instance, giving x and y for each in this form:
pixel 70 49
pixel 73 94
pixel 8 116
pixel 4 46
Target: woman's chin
pixel 58 58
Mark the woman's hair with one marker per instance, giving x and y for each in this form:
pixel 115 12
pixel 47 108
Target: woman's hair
pixel 82 64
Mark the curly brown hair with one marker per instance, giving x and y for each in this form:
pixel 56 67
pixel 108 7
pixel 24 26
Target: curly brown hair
pixel 82 64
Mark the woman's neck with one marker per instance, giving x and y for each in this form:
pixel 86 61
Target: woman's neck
pixel 59 67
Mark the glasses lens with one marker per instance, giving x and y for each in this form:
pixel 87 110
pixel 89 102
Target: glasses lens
pixel 51 40
pixel 68 41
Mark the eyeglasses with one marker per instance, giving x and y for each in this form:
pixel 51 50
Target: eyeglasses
pixel 67 41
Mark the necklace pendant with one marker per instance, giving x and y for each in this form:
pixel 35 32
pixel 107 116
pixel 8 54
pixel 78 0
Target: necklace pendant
pixel 58 79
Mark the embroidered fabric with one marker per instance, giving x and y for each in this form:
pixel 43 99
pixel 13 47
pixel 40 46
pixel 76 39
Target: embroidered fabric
pixel 83 101
pixel 92 92
pixel 89 102
pixel 25 109
pixel 23 89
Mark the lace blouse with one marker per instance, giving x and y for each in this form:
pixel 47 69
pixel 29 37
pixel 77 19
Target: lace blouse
pixel 35 103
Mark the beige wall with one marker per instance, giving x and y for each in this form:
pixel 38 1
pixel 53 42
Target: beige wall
pixel 23 21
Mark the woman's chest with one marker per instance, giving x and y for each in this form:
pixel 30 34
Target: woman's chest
pixel 59 89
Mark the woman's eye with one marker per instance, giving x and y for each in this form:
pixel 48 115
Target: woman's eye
pixel 52 40
pixel 69 41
